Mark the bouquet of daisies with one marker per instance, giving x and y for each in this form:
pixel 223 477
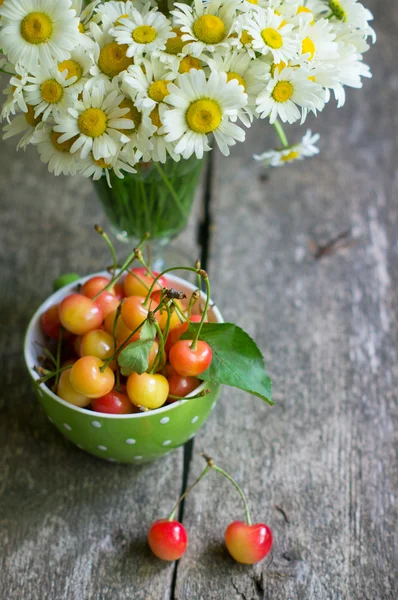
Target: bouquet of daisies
pixel 100 86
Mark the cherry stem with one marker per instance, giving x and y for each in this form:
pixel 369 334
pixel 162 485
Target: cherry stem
pixel 206 278
pixel 188 490
pixel 198 265
pixel 117 315
pixel 191 269
pixel 50 374
pixel 234 483
pixel 58 360
pixel 281 134
pixel 192 301
pixel 160 358
pixel 105 236
pixel 131 257
pixel 201 394
pixel 145 265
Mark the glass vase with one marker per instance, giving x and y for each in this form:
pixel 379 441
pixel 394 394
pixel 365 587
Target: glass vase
pixel 157 199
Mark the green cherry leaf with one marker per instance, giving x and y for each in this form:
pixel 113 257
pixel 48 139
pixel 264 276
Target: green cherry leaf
pixel 135 357
pixel 237 361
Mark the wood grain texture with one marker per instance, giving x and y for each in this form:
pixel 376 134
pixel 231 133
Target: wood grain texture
pixel 71 527
pixel 326 453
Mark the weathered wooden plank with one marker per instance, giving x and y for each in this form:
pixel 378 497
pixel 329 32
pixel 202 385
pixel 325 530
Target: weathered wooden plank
pixel 325 453
pixel 71 527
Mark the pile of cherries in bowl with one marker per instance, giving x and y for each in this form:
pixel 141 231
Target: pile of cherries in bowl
pixel 90 328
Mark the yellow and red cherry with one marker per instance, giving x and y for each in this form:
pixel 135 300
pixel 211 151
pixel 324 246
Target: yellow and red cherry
pixel 98 343
pixel 107 301
pixel 79 314
pixel 190 362
pixel 161 315
pixel 168 540
pixel 134 312
pixel 114 403
pixel 87 378
pixel 248 544
pixel 138 282
pixel 181 386
pixel 50 322
pixel 148 390
pixel 67 392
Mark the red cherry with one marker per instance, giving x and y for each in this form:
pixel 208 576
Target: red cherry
pixel 94 285
pixel 248 544
pixel 189 362
pixel 50 322
pixel 181 386
pixel 168 540
pixel 107 301
pixel 114 403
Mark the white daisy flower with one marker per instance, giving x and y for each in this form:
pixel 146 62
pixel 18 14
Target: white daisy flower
pixel 172 54
pixel 271 35
pixel 280 157
pixel 15 94
pixel 91 167
pixel 143 32
pixel 26 124
pixel 317 41
pixel 353 14
pixel 297 9
pixel 112 14
pixel 48 91
pixel 57 156
pixel 352 68
pixel 201 108
pixel 143 130
pixel 96 121
pixel 148 83
pixel 35 32
pixel 76 67
pixel 109 57
pixel 206 26
pixel 288 90
pixel 250 74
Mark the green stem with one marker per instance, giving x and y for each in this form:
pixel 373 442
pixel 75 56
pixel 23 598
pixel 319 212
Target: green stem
pixel 191 269
pixel 58 361
pixel 195 341
pixel 160 358
pixel 99 230
pixel 188 490
pixel 170 188
pixel 237 486
pixel 281 134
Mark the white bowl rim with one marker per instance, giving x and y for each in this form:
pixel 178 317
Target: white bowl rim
pixel 55 298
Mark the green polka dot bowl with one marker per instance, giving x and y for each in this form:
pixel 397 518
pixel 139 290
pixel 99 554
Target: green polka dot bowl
pixel 133 438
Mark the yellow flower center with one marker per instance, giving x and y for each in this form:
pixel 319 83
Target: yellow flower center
pixel 73 68
pixel 36 28
pixel 188 63
pixel 209 29
pixel 133 114
pixel 65 146
pixel 92 122
pixel 246 38
pixel 272 38
pixel 304 9
pixel 51 91
pixel 232 75
pixel 113 60
pixel 158 90
pixel 280 66
pixel 155 117
pixel 175 45
pixel 81 28
pixel 252 1
pixel 144 34
pixel 291 156
pixel 118 21
pixel 30 116
pixel 204 116
pixel 101 163
pixel 308 47
pixel 312 78
pixel 283 91
pixel 337 10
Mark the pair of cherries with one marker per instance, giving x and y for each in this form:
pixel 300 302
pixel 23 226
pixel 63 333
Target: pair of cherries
pixel 248 543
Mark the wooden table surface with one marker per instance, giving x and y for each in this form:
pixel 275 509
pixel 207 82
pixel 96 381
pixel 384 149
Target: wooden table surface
pixel 320 466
